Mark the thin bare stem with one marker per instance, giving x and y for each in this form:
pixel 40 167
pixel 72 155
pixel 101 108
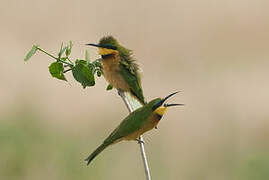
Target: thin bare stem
pixel 141 140
pixel 126 102
pixel 65 71
pixel 67 63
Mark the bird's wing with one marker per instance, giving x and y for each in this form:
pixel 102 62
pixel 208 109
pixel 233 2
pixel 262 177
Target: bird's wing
pixel 130 124
pixel 133 80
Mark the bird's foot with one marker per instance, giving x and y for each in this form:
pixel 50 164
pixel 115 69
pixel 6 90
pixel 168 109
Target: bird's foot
pixel 140 141
pixel 120 92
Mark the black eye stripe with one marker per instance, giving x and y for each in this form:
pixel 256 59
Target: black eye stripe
pixel 157 105
pixel 109 47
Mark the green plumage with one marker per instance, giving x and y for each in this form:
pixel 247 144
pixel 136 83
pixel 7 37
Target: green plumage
pixel 128 67
pixel 134 122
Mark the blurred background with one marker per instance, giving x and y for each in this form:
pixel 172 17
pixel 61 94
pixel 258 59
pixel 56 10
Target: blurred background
pixel 215 52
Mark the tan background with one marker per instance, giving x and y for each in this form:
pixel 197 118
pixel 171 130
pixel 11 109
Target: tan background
pixel 215 52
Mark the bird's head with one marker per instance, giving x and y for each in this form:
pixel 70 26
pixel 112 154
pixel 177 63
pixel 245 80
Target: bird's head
pixel 159 107
pixel 107 45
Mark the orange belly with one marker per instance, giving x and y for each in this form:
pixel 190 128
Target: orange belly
pixel 112 74
pixel 150 124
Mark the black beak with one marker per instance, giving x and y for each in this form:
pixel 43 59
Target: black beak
pixel 167 97
pixel 167 105
pixel 96 45
pixel 170 96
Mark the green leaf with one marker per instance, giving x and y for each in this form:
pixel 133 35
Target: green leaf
pixel 99 73
pixel 62 50
pixel 31 52
pixel 91 66
pixel 80 61
pixel 83 73
pixel 109 87
pixel 87 57
pixel 64 58
pixel 69 48
pixel 98 63
pixel 56 70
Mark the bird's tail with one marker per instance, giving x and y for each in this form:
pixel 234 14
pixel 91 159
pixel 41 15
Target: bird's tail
pixel 96 152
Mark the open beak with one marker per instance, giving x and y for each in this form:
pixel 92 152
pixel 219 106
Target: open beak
pixel 167 97
pixel 167 105
pixel 96 45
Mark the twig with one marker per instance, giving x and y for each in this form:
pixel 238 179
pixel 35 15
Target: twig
pixel 67 70
pixel 141 140
pixel 67 63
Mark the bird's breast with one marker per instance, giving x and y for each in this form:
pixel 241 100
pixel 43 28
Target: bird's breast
pixel 112 73
pixel 151 123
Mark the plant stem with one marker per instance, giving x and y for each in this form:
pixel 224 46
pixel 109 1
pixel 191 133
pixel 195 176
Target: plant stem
pixel 67 70
pixel 141 140
pixel 69 60
pixel 54 57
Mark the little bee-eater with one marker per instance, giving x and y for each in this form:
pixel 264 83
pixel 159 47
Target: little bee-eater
pixel 136 123
pixel 119 67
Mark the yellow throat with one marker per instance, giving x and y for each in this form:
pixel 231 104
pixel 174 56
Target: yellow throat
pixel 105 51
pixel 161 110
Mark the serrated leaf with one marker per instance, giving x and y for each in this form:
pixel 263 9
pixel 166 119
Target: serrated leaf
pixel 109 87
pixel 31 52
pixel 56 70
pixel 83 73
pixel 87 57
